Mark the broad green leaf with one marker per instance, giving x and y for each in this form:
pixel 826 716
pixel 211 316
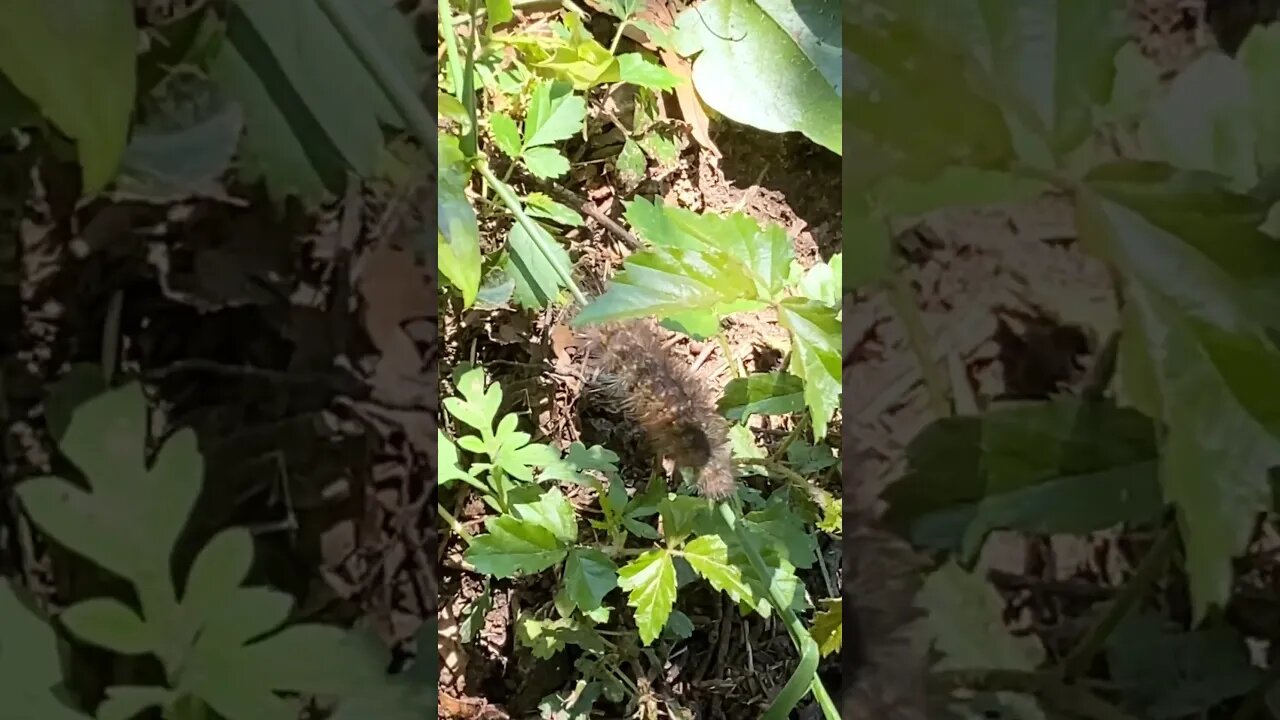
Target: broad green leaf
pixel 821 282
pixel 248 613
pixel 478 406
pixel 125 702
pixel 513 546
pixel 589 575
pixel 540 205
pixel 1260 55
pixel 635 69
pixel 498 12
pixel 775 393
pixel 30 669
pixel 575 704
pixel 457 232
pixel 772 64
pixel 781 529
pixel 555 114
pixel 545 162
pixel 581 460
pixel 902 69
pixel 631 163
pixel 447 469
pixel 548 637
pixel 815 356
pixel 965 625
pixel 1205 121
pixel 77 64
pixel 1201 298
pixel 185 145
pixel 552 512
pixel 650 582
pixel 957 186
pixel 216 575
pixel 574 56
pixel 338 661
pixel 679 514
pixel 109 624
pixel 537 282
pixel 130 519
pixel 1165 672
pixel 505 134
pixel 311 107
pixel 828 627
pixel 1067 466
pixel 709 557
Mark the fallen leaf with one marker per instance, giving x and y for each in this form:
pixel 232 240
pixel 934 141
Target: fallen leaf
pixel 691 108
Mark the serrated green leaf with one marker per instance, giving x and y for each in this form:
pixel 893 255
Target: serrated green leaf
pixel 635 69
pixel 478 406
pixel 815 343
pixel 775 393
pixel 1067 466
pixel 77 63
pixel 828 627
pixel 650 582
pixel 505 134
pixel 708 555
pixel 555 114
pixel 513 546
pixel 785 532
pixel 679 513
pixel 109 624
pixel 589 575
pixel 30 669
pixel 552 512
pixel 497 12
pixel 545 162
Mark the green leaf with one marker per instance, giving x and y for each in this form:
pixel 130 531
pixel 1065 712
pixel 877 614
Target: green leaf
pixel 129 520
pixel 540 205
pixel 312 110
pixel 589 575
pixel 478 405
pixel 773 65
pixel 954 187
pixel 552 512
pixel 109 624
pixel 30 669
pixel 965 625
pixel 579 461
pixel 77 63
pixel 636 69
pixel 1205 121
pixel 457 231
pixel 815 344
pixel 573 55
pixel 1201 299
pixel 708 555
pixel 631 163
pixel 513 546
pixel 447 469
pixel 780 528
pixel 679 514
pixel 828 627
pixel 555 114
pixel 505 134
pixel 216 575
pixel 1260 55
pixel 1165 672
pixel 537 283
pixel 869 247
pixel 185 145
pixel 126 702
pixel 775 393
pixel 650 582
pixel 1067 466
pixel 545 162
pixel 821 282
pixel 498 12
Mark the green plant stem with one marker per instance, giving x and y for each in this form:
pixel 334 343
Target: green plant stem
pixel 397 88
pixel 1077 661
pixel 617 37
pixel 454 525
pixel 904 306
pixel 735 365
pixel 806 673
pixel 517 210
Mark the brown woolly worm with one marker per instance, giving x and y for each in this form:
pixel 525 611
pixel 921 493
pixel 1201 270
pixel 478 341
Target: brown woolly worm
pixel 629 366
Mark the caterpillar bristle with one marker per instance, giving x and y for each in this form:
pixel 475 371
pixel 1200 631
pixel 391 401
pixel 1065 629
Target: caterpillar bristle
pixel 628 366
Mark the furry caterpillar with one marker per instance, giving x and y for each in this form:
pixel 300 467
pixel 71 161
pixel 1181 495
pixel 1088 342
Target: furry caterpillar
pixel 627 363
